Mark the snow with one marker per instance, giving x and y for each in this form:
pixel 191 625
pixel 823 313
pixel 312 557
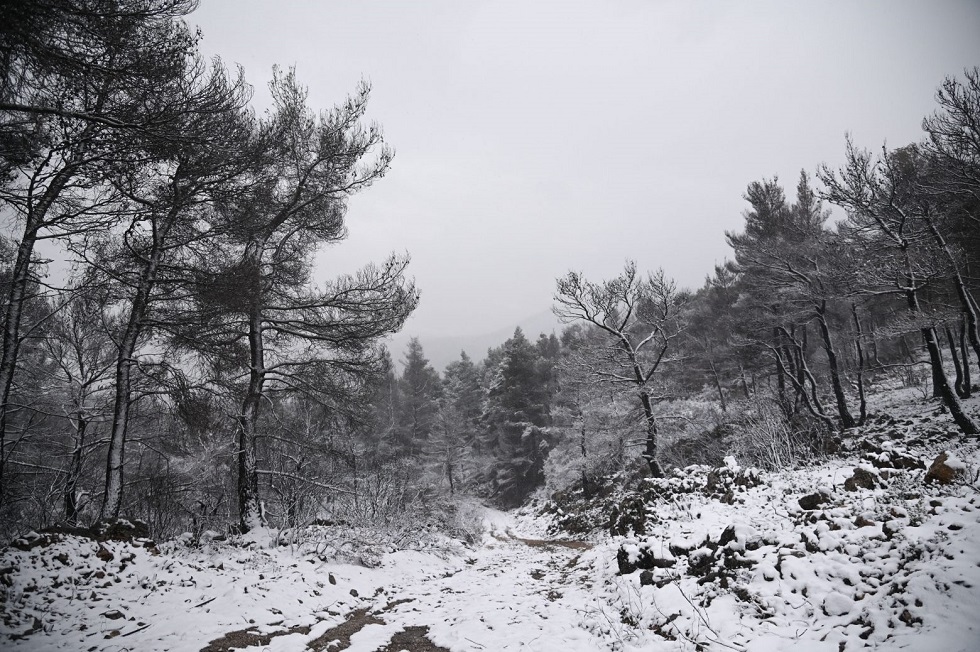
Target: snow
pixel 890 568
pixel 837 604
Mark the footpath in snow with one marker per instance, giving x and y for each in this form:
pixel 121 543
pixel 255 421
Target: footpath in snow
pixel 512 592
pixel 859 552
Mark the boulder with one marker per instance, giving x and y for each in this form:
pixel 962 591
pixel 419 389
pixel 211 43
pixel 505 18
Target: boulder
pixel 631 557
pixel 863 478
pixel 813 501
pixel 946 469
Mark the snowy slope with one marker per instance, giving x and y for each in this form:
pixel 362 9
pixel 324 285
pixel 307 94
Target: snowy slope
pixel 734 563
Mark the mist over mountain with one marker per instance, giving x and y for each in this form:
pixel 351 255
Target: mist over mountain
pixel 443 349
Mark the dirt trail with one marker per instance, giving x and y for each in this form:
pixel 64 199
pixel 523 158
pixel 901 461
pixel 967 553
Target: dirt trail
pixel 513 592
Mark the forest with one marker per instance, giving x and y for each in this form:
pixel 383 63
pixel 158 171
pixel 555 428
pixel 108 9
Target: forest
pixel 207 444
pixel 169 355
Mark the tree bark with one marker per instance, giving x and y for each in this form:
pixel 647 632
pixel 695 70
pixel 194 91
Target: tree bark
pixel 721 394
pixel 966 299
pixel 860 369
pixel 125 359
pixel 249 509
pixel 957 367
pixel 780 375
pixel 16 298
pixel 75 472
pixel 967 381
pixel 811 402
pixel 846 420
pixel 946 393
pixel 650 449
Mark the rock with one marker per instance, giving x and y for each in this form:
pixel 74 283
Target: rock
pixel 646 578
pixel 331 578
pixel 631 557
pixel 909 619
pixel 946 469
pixel 892 527
pixel 628 517
pixel 739 538
pixel 353 592
pixel 813 501
pixel 33 540
pixel 624 561
pixel 863 521
pixel 863 478
pixel 700 562
pixel 837 604
pixel 681 546
pixel 104 554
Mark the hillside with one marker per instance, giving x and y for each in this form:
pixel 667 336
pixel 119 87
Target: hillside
pixel 865 549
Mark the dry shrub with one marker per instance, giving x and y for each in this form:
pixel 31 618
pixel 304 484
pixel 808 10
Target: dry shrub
pixel 764 437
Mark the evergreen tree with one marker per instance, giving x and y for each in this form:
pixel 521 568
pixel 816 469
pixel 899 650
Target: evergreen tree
pixel 420 388
pixel 517 412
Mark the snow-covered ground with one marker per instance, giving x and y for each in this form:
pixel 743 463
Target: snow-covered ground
pixel 511 592
pixel 894 565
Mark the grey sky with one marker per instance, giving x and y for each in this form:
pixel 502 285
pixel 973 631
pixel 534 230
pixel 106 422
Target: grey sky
pixel 535 137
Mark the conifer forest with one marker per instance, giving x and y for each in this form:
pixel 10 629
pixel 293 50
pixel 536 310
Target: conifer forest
pixel 785 455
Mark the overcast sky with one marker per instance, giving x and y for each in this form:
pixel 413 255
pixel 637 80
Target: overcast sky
pixel 537 137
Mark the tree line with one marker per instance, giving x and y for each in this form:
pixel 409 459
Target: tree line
pixel 774 356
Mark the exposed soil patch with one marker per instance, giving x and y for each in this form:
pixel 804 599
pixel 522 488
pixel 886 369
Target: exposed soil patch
pixel 249 637
pixel 355 622
pixel 412 639
pixel 551 543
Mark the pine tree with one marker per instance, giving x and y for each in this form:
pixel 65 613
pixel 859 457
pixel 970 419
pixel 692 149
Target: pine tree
pixel 517 412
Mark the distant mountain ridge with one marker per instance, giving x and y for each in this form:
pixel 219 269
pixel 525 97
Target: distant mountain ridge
pixel 443 349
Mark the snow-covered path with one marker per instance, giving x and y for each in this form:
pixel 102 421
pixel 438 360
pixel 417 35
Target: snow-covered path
pixel 514 593
pixel 893 566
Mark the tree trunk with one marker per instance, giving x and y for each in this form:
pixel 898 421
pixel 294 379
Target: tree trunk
pixel 860 369
pixel 11 339
pixel 957 367
pixel 249 509
pixel 949 397
pixel 721 394
pixel 125 359
pixel 74 473
pixel 966 299
pixel 650 450
pixel 138 311
pixel 967 381
pixel 946 393
pixel 17 297
pixel 812 402
pixel 780 374
pixel 846 420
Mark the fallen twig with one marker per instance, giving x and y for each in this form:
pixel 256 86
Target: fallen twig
pixel 136 630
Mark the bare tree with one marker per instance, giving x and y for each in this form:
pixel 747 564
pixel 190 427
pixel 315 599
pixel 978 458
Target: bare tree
pixel 638 317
